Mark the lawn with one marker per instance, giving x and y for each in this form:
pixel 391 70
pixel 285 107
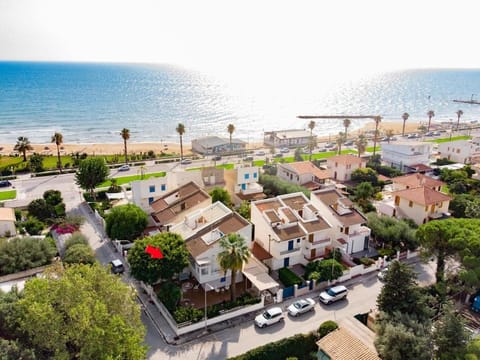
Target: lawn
pixel 444 140
pixel 222 166
pixel 126 179
pixel 8 195
pixel 317 156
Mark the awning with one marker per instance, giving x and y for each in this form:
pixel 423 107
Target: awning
pixel 115 196
pixel 257 273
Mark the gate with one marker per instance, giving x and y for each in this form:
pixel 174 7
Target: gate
pixel 288 292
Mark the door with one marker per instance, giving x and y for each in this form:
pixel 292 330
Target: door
pixel 365 243
pixel 286 262
pixel 290 245
pixel 313 253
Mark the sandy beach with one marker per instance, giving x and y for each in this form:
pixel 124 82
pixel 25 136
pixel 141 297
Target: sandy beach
pixel 173 148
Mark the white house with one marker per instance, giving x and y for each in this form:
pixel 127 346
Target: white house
pixel 288 138
pixel 341 167
pixel 246 186
pixel 350 232
pixel 290 230
pixel 303 173
pixel 7 222
pixel 402 155
pixel 217 145
pixel 145 192
pixel 461 151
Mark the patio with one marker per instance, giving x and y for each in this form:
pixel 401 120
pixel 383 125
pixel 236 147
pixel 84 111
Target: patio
pixel 193 294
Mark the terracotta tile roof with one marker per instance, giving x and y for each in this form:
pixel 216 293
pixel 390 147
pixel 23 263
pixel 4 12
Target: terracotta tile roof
pixel 289 233
pixel 270 204
pixel 346 159
pixel 307 167
pixel 420 167
pixel 422 195
pixel 331 198
pixel 416 180
pixel 259 252
pixel 7 214
pixel 384 178
pixel 173 203
pixel 342 345
pixel 228 225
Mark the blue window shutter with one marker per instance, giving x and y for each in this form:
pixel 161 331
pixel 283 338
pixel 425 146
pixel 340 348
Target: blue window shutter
pixel 150 200
pixel 152 188
pixel 254 175
pixel 163 187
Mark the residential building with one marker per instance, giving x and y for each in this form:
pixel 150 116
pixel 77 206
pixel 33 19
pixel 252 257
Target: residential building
pixel 461 151
pixel 202 231
pixel 420 204
pixel 173 206
pixel 350 233
pixel 289 230
pixel 341 167
pixel 7 222
pixel 303 173
pixel 411 181
pixel 246 186
pixel 145 192
pixel 209 145
pixel 340 344
pixel 402 155
pixel 288 138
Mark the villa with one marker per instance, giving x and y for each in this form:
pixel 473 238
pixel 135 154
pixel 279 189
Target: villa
pixel 341 167
pixel 461 151
pixel 405 155
pixel 303 173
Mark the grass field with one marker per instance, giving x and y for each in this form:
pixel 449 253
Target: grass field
pixel 444 140
pixel 8 195
pixel 126 179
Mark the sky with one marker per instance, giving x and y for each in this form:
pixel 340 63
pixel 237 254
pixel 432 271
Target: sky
pixel 229 36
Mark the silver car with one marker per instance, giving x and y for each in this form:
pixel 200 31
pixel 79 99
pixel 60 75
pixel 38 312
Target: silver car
pixel 301 306
pixel 269 317
pixel 333 294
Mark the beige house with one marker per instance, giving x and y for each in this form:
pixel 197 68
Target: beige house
pixel 461 151
pixel 342 345
pixel 412 181
pixel 303 173
pixel 341 167
pixel 7 222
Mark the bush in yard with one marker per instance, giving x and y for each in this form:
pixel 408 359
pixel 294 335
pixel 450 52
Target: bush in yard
pixel 288 277
pixel 53 197
pixel 169 294
pixel 327 327
pixel 33 226
pixel 79 254
pixel 40 209
pixel 188 313
pixel 126 222
pixel 300 346
pixel 75 239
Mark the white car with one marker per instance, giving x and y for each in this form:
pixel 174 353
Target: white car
pixel 301 306
pixel 382 273
pixel 269 317
pixel 124 168
pixel 333 294
pixel 285 150
pixel 260 153
pixel 186 161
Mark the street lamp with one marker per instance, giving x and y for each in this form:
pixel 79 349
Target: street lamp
pixel 210 287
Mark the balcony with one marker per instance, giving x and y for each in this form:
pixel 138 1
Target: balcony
pixel 320 241
pixel 285 252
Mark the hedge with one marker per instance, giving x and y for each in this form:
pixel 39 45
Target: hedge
pixel 301 346
pixel 288 277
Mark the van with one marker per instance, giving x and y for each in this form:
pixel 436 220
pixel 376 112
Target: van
pixel 333 294
pixel 116 266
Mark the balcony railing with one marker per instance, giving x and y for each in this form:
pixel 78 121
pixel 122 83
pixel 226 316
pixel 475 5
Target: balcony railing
pixel 320 241
pixel 290 251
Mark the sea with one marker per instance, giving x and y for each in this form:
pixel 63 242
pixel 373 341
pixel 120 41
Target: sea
pixel 92 102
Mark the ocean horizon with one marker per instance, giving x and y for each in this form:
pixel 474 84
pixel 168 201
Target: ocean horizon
pixel 92 102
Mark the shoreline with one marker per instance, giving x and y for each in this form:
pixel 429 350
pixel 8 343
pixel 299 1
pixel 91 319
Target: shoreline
pixel 174 147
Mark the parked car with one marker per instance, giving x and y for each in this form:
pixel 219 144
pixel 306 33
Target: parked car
pixel 269 317
pixel 216 158
pixel 348 143
pixel 333 294
pixel 116 266
pixel 412 136
pixel 430 133
pixel 278 155
pixel 260 153
pixel 436 133
pixel 381 274
pixel 248 158
pixel 329 145
pixel 124 168
pixel 301 306
pixel 186 161
pixel 5 183
pixel 322 150
pixel 284 150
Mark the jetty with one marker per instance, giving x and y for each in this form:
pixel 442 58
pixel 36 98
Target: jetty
pixel 471 101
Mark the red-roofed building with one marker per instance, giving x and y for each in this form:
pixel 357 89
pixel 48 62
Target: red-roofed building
pixel 303 173
pixel 341 167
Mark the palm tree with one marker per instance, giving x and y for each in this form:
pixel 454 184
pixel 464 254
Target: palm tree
pixel 125 134
pixel 377 120
pixel 389 134
pixel 340 140
pixel 181 130
pixel 232 257
pixel 311 126
pixel 405 117
pixel 57 138
pixel 430 114
pixel 346 124
pixel 459 114
pixel 361 144
pixel 23 145
pixel 230 129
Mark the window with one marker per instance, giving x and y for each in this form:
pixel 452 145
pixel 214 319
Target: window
pixel 163 187
pixel 397 200
pixel 346 230
pixel 152 188
pixel 254 175
pixel 223 279
pixel 410 203
pixel 290 245
pixel 298 241
pixel 204 270
pixel 150 200
pixel 247 176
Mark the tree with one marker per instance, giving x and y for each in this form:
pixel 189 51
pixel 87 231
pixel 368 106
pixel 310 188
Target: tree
pixel 297 155
pixel 244 209
pixel 450 336
pixel 13 350
pixel 230 129
pixel 405 117
pixel 81 312
pixel 222 195
pixel 459 115
pixel 181 131
pixel 323 270
pixel 23 145
pixel 77 238
pixel 389 134
pixel 365 175
pixel 311 126
pixel 36 162
pixel 326 328
pixel 340 141
pixel 24 253
pixel 361 144
pixel 53 197
pixel 346 125
pixel 391 233
pixel 79 254
pixel 377 120
pixel 232 257
pixel 40 209
pixel 125 134
pixel 364 191
pixel 150 271
pixel 57 138
pixel 91 173
pixel 430 115
pixel 125 222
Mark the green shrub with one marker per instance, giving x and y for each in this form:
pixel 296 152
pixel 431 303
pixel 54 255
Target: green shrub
pixel 169 294
pixel 33 226
pixel 367 261
pixel 300 346
pixel 188 313
pixel 79 254
pixel 327 327
pixel 288 277
pixel 386 252
pixel 75 239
